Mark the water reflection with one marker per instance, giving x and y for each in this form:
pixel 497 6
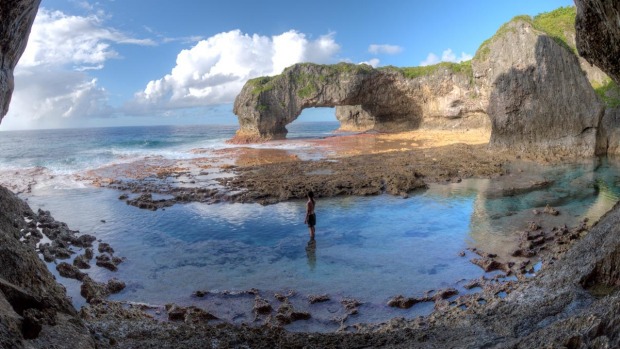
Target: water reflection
pixel 505 205
pixel 311 254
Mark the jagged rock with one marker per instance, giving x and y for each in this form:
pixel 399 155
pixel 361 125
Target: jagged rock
pixel 287 314
pixel 488 264
pixel 175 312
pixel 354 118
pixel 261 305
pixel 318 298
pixel 81 262
pixel 95 292
pixel 33 305
pixel 532 107
pixel 115 286
pixel 197 315
pixel 402 302
pixel 445 294
pixel 145 201
pixel 105 261
pixel 551 211
pixel 105 247
pixel 70 271
pixel 351 305
pixel 85 240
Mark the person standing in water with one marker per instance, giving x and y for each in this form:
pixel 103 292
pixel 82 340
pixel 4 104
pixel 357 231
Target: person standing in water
pixel 310 215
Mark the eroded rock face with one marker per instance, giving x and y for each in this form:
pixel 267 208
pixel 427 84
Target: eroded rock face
pixel 34 309
pixel 16 18
pixel 367 98
pixel 539 99
pixel 598 34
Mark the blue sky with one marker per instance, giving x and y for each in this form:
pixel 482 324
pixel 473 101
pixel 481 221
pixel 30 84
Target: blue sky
pixel 137 62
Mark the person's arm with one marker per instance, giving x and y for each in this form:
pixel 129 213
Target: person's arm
pixel 307 212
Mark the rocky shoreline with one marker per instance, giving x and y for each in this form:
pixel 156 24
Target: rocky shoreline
pixel 137 325
pixel 358 175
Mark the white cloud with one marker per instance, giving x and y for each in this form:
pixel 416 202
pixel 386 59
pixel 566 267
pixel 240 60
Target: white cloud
pixel 385 49
pixel 374 62
pixel 58 39
pixel 58 93
pixel 446 56
pixel 215 69
pixel 51 78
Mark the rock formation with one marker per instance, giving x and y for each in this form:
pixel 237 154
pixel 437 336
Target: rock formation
pixel 532 107
pixel 517 84
pixel 16 18
pixel 598 34
pixel 34 309
pixel 380 99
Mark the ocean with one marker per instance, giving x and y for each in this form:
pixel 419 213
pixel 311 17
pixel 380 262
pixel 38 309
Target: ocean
pixel 367 248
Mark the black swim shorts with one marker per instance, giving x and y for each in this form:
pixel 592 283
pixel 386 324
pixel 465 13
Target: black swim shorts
pixel 312 220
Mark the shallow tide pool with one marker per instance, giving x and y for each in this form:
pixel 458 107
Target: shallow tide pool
pixel 368 248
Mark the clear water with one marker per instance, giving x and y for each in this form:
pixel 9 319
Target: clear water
pixel 368 248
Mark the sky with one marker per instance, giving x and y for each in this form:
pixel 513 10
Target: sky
pixel 182 62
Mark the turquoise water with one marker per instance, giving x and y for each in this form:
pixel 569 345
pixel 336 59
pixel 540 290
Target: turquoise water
pixel 368 248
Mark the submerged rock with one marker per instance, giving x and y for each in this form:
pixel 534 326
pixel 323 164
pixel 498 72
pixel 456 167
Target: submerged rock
pixel 262 306
pixel 318 298
pixel 403 302
pixel 287 314
pixel 96 292
pixel 70 271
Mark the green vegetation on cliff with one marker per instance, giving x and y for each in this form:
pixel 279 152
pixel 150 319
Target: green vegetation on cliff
pixel 609 92
pixel 306 76
pixel 261 84
pixel 559 24
pixel 415 72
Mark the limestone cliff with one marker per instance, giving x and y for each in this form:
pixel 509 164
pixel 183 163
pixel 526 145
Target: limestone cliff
pixel 539 99
pixel 526 83
pixel 16 18
pixel 384 99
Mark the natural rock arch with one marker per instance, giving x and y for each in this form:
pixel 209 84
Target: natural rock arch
pixel 365 98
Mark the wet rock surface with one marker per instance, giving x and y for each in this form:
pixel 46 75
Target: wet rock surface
pixel 360 175
pixel 34 309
